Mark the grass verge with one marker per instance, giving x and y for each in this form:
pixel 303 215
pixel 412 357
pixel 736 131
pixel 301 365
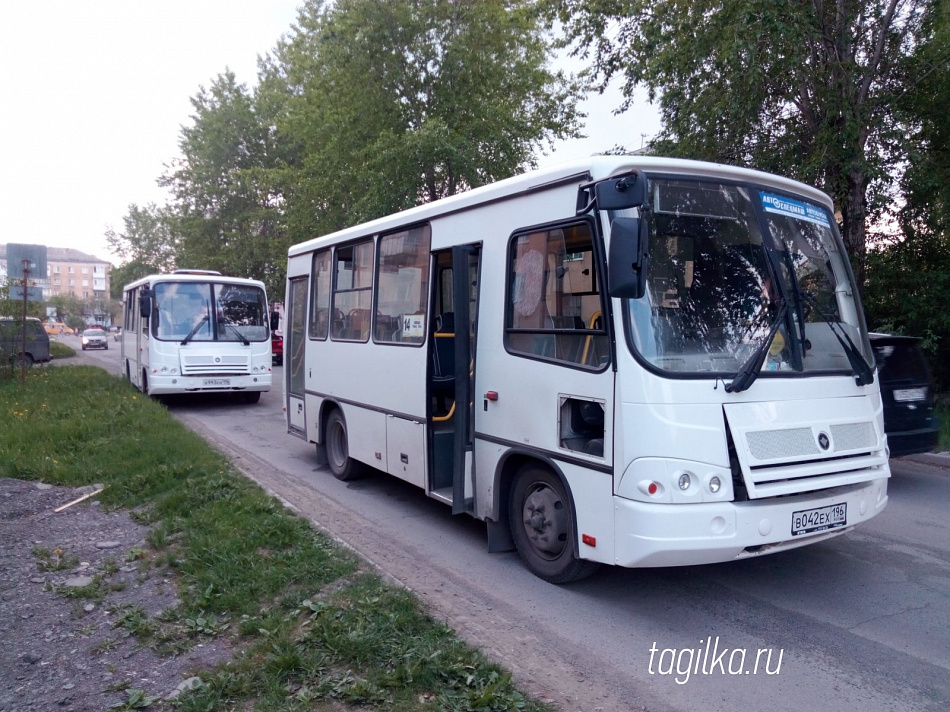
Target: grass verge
pixel 58 349
pixel 942 411
pixel 315 629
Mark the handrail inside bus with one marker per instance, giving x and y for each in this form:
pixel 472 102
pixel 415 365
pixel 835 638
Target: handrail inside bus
pixel 587 342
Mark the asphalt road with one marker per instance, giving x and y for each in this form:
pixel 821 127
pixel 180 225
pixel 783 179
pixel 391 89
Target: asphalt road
pixel 861 622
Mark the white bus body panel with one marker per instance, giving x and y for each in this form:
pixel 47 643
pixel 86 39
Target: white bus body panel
pixel 656 427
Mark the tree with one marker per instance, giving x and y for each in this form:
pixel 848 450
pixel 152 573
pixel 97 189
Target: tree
pixel 146 239
pixel 393 104
pixel 908 286
pixel 225 215
pixel 69 309
pixel 806 88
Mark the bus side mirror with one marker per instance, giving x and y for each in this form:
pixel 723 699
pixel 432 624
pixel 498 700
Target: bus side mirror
pixel 627 259
pixel 274 321
pixel 145 303
pixel 621 193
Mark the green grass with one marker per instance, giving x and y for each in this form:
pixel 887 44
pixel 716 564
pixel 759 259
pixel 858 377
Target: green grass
pixel 57 349
pixel 942 411
pixel 314 629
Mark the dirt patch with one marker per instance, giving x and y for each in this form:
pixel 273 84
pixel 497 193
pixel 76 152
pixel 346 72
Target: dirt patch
pixel 67 579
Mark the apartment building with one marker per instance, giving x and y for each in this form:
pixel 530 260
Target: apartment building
pixel 70 271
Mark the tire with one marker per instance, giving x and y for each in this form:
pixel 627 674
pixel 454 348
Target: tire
pixel 342 466
pixel 24 359
pixel 106 347
pixel 83 348
pixel 144 382
pixel 252 396
pixel 541 517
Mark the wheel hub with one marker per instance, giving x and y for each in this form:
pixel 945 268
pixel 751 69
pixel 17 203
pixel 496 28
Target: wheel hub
pixel 545 520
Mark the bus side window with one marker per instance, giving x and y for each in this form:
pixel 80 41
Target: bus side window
pixel 555 309
pixel 402 286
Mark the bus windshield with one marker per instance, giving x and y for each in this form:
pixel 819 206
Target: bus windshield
pixel 208 311
pixel 741 274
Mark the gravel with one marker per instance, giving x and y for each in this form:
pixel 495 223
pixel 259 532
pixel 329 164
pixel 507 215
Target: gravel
pixel 65 652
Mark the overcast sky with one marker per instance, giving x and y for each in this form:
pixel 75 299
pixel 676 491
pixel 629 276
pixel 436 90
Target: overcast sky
pixel 95 92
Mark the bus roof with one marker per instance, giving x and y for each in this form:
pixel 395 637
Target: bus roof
pixel 193 276
pixel 593 168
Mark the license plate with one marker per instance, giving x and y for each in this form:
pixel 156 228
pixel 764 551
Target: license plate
pixel 819 519
pixel 216 382
pixel 903 395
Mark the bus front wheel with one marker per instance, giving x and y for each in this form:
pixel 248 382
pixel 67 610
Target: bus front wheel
pixel 341 464
pixel 542 525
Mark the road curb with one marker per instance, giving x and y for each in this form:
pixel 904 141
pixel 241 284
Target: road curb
pixel 934 459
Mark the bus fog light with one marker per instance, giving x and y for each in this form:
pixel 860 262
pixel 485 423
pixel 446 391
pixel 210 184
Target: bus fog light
pixel 684 481
pixel 714 484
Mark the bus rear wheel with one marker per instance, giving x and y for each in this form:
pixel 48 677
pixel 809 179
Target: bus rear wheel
pixel 541 517
pixel 341 464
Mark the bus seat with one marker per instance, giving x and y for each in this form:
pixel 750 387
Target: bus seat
pixel 358 324
pixel 338 325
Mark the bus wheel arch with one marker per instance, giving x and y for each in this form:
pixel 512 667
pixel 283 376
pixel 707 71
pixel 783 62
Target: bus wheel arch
pixel 336 441
pixel 543 523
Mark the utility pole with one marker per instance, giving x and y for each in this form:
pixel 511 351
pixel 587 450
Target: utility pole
pixel 27 264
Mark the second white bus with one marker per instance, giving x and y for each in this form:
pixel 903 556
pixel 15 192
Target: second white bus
pixel 636 361
pixel 196 331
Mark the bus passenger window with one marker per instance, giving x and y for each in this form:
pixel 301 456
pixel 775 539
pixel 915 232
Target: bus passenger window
pixel 555 309
pixel 403 286
pixel 352 290
pixel 320 299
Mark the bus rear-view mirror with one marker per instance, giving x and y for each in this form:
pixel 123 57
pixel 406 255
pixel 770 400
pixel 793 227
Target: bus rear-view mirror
pixel 621 193
pixel 627 258
pixel 145 303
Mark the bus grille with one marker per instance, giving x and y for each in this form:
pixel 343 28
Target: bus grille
pixel 199 365
pixel 791 460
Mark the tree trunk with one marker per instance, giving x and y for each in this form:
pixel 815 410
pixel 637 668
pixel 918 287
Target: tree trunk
pixel 854 227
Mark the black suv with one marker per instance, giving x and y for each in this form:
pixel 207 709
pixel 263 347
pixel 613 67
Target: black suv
pixel 908 394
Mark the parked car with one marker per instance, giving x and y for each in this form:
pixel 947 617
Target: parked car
pixel 277 348
pixel 94 338
pixel 57 328
pixel 908 394
pixel 11 341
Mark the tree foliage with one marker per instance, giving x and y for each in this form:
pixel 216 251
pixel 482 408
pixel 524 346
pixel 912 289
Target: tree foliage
pixel 224 213
pixel 146 238
pixel 806 88
pixel 908 287
pixel 362 109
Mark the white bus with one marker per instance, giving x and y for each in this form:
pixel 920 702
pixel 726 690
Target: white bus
pixel 196 331
pixel 636 361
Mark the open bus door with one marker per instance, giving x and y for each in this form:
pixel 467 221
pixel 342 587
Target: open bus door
pixel 452 376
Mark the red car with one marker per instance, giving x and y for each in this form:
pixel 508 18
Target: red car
pixel 277 348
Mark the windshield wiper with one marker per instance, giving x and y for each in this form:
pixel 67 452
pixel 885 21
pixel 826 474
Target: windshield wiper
pixel 863 371
pixel 750 370
pixel 194 330
pixel 241 336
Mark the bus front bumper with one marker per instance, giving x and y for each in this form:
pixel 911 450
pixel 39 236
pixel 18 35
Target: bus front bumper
pixel 165 385
pixel 653 535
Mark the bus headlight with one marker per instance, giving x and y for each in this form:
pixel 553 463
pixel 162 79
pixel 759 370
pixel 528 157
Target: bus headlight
pixel 684 481
pixel 714 484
